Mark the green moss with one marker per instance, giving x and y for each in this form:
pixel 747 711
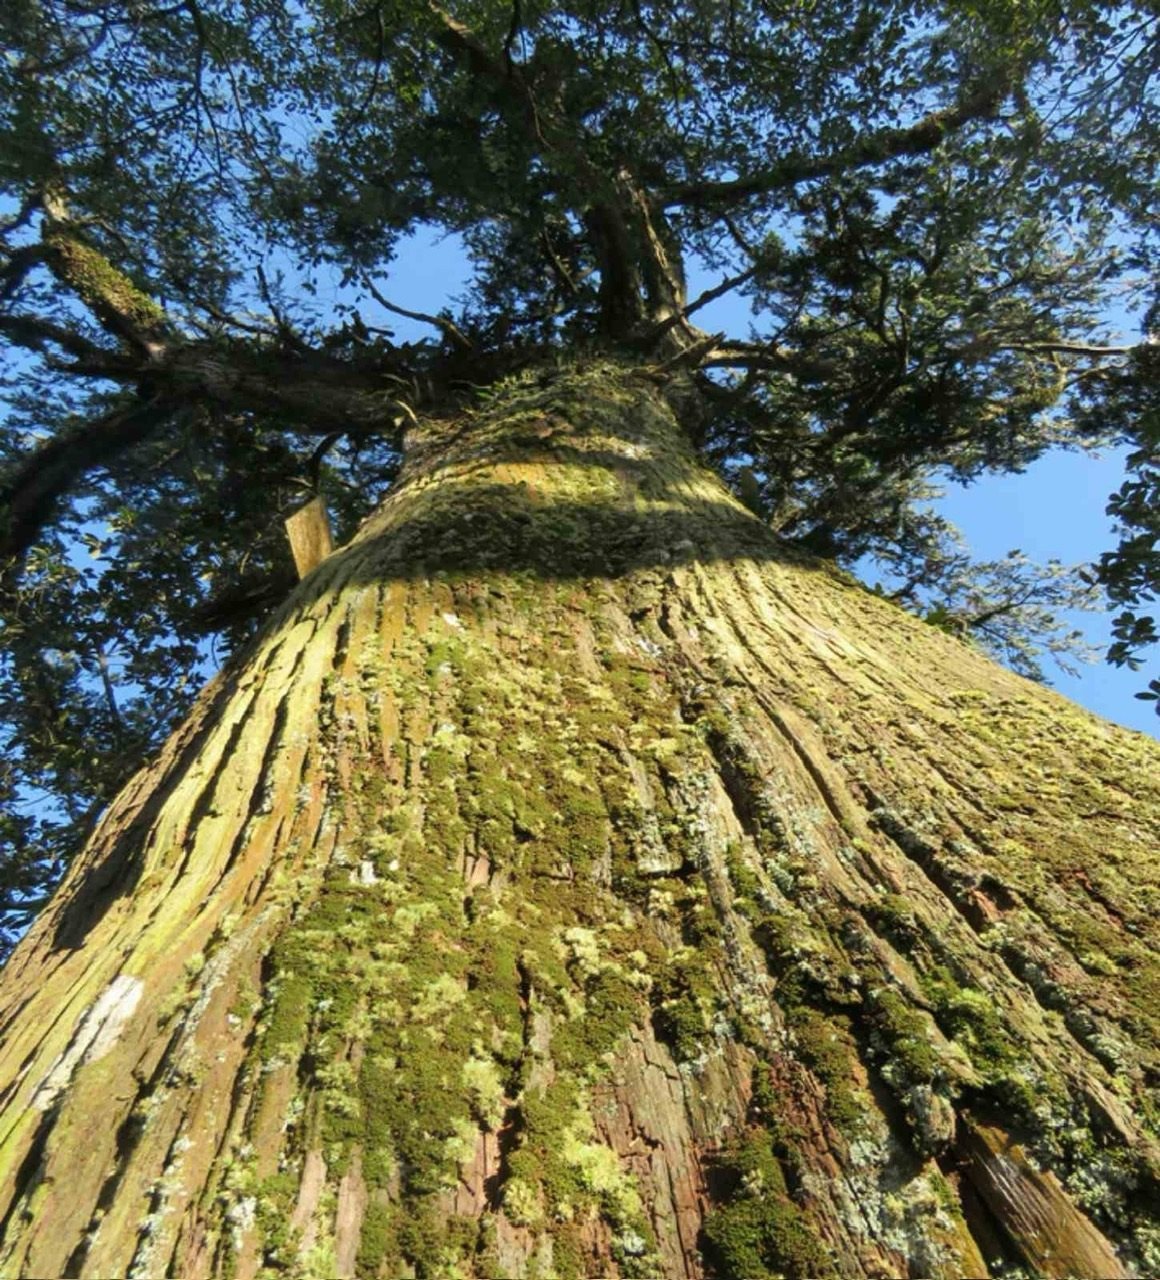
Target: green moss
pixel 288 1015
pixel 762 1239
pixel 612 1005
pixel 485 1090
pixel 438 1246
pixel 558 1174
pixel 406 999
pixel 100 285
pixel 894 916
pixel 759 1233
pixel 901 1034
pixel 810 966
pixel 537 1162
pixel 686 996
pixel 487 1262
pixel 584 827
pixel 569 1257
pixel 494 977
pixel 377 1244
pixel 825 1045
pixel 442 765
pixel 444 658
pixel 406 1115
pixel 971 1018
pixel 275 1200
pixel 745 882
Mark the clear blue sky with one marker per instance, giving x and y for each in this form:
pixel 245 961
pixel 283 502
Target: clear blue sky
pixel 1054 510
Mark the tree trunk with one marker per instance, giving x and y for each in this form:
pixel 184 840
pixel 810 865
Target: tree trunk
pixel 573 882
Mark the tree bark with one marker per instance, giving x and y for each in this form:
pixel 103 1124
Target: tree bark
pixel 572 882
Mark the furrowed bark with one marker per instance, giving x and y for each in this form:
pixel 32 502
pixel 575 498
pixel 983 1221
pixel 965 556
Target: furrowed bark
pixel 572 882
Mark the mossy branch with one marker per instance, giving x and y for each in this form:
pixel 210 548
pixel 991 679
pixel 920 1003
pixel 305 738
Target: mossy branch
pixel 122 309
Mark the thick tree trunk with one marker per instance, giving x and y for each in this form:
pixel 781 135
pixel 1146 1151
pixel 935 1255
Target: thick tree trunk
pixel 573 883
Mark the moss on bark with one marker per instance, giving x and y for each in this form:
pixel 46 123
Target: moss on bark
pixel 572 882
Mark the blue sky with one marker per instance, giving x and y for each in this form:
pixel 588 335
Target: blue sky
pixel 1054 510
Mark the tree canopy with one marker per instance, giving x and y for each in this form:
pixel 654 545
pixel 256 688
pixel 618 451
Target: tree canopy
pixel 931 209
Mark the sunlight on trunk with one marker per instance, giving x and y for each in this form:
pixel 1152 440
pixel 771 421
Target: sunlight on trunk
pixel 570 882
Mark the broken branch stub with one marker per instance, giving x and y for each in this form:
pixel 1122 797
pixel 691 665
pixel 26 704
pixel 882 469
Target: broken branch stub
pixel 308 531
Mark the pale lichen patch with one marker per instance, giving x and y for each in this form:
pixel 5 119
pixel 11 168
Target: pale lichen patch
pixel 97 1032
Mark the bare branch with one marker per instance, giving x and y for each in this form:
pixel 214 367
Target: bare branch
pixel 286 330
pixel 746 355
pixel 561 272
pixel 445 326
pixel 702 300
pixel 1069 348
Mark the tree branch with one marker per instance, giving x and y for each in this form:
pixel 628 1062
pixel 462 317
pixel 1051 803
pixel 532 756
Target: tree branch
pixel 29 498
pixel 286 331
pixel 445 326
pixel 33 333
pixel 20 263
pixel 607 211
pixel 506 78
pixel 310 392
pixel 123 310
pixel 733 354
pixel 874 148
pixel 703 300
pixel 1068 348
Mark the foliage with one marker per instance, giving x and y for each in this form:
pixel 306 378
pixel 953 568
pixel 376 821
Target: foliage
pixel 928 208
pixel 1010 607
pixel 1129 400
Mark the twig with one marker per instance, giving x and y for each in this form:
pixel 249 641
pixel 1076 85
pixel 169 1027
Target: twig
pixel 445 326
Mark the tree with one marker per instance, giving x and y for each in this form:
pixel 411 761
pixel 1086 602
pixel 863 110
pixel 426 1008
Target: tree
pixel 1131 572
pixel 574 874
pixel 926 268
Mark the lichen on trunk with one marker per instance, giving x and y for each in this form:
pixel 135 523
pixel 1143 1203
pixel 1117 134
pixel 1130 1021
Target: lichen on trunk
pixel 570 882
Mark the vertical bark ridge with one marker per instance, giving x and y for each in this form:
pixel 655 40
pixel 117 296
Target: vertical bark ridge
pixel 572 882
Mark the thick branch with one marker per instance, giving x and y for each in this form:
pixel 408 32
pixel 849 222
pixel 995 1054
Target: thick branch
pixel 873 148
pixel 34 333
pixel 619 292
pixel 123 310
pixel 313 393
pixel 505 77
pixel 310 392
pixel 621 228
pixel 30 497
pixel 732 354
pixel 663 271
